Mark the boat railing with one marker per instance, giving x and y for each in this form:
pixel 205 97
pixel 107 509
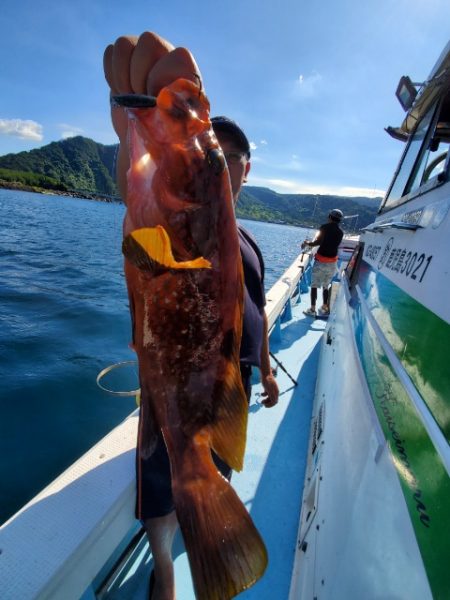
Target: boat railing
pixel 286 291
pixel 65 541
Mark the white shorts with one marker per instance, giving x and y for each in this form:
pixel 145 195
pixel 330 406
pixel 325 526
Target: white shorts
pixel 323 273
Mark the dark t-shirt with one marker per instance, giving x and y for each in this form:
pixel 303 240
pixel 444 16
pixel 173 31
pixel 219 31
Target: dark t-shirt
pixel 330 236
pixel 254 299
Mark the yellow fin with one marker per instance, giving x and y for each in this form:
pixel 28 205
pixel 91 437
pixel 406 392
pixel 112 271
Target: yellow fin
pixel 156 243
pixel 229 432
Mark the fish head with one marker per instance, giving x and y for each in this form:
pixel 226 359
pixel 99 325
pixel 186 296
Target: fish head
pixel 178 136
pixel 178 176
pixel 185 109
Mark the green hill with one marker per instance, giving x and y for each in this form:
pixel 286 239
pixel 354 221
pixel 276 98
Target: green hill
pixel 81 165
pixel 77 163
pixel 309 210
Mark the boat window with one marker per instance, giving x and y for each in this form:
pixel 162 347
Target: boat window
pixel 408 162
pixel 426 157
pixel 434 158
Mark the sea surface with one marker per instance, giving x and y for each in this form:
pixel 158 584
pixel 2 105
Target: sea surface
pixel 63 318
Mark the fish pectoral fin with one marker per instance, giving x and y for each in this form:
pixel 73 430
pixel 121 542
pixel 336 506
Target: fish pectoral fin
pixel 149 248
pixel 229 431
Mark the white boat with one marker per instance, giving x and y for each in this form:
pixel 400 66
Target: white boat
pixel 376 504
pixel 347 479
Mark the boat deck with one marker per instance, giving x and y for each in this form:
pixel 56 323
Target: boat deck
pixel 271 483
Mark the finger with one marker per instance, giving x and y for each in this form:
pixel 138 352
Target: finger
pixel 176 64
pixel 121 60
pixel 269 403
pixel 149 50
pixel 108 68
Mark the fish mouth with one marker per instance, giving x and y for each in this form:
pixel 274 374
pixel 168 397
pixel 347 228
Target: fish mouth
pixel 133 101
pixel 214 156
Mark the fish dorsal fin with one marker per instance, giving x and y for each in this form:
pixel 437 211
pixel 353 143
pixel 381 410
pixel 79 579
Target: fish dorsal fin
pixel 150 246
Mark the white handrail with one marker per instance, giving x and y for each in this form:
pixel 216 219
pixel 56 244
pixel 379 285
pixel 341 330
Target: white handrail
pixel 284 288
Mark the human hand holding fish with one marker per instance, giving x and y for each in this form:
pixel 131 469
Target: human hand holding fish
pixel 141 65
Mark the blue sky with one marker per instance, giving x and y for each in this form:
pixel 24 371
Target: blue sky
pixel 312 83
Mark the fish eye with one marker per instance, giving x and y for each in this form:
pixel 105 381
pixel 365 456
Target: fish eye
pixel 216 160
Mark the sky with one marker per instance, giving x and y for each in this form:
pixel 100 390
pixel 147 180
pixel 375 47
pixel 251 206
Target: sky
pixel 311 83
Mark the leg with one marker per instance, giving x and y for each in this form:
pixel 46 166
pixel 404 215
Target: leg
pixel 161 532
pixel 156 510
pixel 311 312
pixel 325 293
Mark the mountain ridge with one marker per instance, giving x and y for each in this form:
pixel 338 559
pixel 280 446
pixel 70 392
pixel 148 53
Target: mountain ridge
pixel 81 166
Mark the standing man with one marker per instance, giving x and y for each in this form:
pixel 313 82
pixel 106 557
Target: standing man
pixel 145 65
pixel 255 339
pixel 328 239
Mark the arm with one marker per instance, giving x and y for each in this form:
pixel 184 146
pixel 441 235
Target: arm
pixel 141 65
pixel 315 242
pixel 271 392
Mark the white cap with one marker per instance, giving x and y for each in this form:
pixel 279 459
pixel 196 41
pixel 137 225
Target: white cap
pixel 336 214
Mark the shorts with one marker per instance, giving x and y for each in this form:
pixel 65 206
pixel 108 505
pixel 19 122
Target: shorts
pixel 154 482
pixel 323 273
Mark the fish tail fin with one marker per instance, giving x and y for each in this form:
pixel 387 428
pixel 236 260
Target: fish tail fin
pixel 226 553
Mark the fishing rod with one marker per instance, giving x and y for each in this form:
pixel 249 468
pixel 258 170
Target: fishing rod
pixel 280 364
pixel 309 252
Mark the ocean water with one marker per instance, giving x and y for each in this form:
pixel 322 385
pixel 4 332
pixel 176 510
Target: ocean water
pixel 63 318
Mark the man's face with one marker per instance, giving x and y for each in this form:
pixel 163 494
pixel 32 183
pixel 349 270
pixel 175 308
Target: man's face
pixel 237 162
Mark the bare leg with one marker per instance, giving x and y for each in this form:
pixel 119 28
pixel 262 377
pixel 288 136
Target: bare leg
pixel 313 297
pixel 161 532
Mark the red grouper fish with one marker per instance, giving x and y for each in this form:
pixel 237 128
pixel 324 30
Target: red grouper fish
pixel 185 283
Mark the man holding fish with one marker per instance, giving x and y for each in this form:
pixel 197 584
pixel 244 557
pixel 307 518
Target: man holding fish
pixel 195 284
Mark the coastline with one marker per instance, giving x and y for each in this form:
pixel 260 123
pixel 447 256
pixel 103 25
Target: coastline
pixel 20 187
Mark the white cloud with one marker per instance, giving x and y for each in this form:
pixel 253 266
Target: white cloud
pixel 68 131
pixel 23 129
pixel 263 142
pixel 355 191
pixel 307 87
pixel 289 186
pixel 253 146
